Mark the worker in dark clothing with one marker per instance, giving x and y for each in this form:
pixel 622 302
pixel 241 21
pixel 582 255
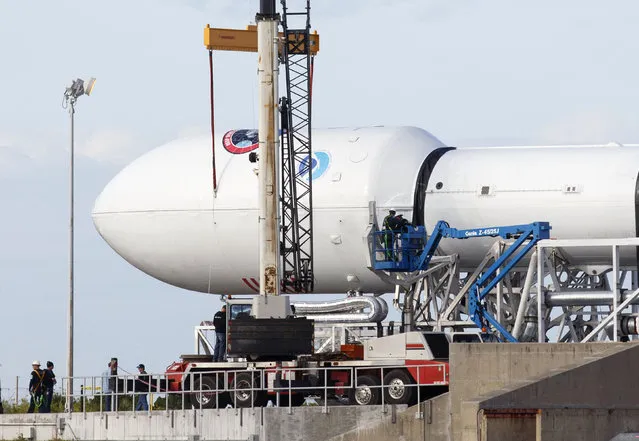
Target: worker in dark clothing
pixel 389 226
pixel 389 220
pixel 401 224
pixel 48 383
pixel 142 385
pixel 36 388
pixel 109 385
pixel 219 321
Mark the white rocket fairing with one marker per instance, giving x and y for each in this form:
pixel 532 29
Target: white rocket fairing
pixel 161 215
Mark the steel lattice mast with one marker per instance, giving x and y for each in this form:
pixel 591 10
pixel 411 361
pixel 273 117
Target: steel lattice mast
pixel 297 159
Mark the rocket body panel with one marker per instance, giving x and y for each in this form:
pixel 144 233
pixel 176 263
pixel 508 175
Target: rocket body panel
pixel 161 215
pixel 583 192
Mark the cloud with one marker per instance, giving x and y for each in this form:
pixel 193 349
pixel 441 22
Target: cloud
pixel 116 146
pixel 19 152
pixel 12 158
pixel 109 147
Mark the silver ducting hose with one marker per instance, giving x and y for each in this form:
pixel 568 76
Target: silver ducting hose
pixel 349 310
pixel 384 306
pixel 585 298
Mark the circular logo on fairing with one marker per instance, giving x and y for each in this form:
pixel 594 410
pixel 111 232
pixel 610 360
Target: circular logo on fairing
pixel 240 141
pixel 318 165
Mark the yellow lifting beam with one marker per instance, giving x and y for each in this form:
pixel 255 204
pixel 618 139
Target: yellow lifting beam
pixel 239 40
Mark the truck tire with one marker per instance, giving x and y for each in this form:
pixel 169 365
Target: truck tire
pixel 366 393
pixel 209 400
pixel 240 396
pixel 398 387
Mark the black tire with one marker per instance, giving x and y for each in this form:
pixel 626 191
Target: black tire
pixel 366 393
pixel 246 398
pixel 208 400
pixel 398 387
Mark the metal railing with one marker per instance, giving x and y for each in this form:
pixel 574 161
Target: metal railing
pixel 277 386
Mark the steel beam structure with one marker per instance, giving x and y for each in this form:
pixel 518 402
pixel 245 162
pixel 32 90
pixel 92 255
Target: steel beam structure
pixel 297 159
pixel 548 299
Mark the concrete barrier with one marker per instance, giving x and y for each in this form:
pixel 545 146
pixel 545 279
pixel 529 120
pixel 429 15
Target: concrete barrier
pixel 428 421
pixel 259 424
pixel 228 424
pixel 524 391
pixel 30 426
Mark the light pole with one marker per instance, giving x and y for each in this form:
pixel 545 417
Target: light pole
pixel 1 408
pixel 71 94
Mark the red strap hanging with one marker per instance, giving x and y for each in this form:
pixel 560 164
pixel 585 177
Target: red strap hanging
pixel 212 122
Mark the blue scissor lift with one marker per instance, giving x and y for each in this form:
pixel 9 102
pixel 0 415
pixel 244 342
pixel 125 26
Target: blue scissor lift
pixel 412 249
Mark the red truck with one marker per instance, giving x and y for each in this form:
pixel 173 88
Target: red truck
pixel 402 367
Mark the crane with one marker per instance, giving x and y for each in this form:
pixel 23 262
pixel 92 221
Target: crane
pixel 296 52
pixel 286 244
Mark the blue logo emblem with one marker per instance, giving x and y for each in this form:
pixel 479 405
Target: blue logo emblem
pixel 319 164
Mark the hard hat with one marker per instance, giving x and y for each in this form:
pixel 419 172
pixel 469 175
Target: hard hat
pixel 35 363
pixel 392 209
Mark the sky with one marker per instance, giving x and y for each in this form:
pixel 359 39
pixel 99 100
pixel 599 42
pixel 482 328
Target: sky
pixel 470 72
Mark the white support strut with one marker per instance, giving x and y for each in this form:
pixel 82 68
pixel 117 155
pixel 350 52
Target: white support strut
pixel 268 165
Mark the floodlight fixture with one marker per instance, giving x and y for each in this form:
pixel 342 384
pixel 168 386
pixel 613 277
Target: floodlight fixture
pixel 78 88
pixel 88 88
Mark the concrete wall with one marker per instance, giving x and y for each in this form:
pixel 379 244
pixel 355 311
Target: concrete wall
pixel 593 401
pixel 434 426
pixel 312 424
pixel 264 424
pixel 560 425
pixel 525 390
pixel 587 424
pixel 26 426
pixel 606 383
pixel 437 419
pixel 227 424
pixel 480 371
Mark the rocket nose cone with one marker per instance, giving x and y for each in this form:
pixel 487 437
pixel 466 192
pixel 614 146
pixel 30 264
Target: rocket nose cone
pixel 150 211
pixel 111 207
pixel 111 202
pixel 110 210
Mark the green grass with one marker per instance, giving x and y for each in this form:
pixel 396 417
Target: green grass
pixel 92 404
